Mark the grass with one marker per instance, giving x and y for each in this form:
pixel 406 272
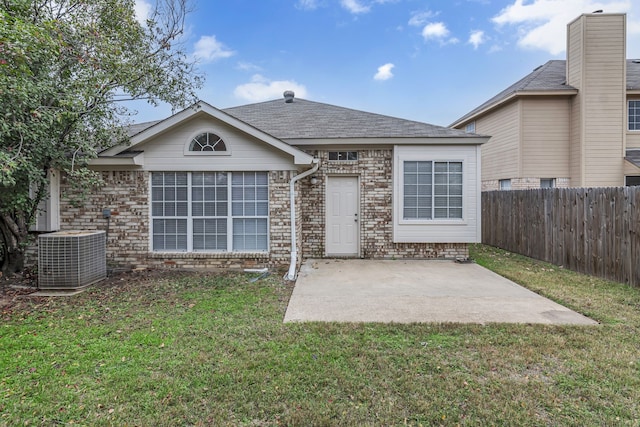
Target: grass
pixel 194 349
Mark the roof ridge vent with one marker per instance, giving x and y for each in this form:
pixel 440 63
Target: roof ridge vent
pixel 288 96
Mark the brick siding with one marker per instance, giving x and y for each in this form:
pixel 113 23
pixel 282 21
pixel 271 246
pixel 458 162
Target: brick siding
pixel 374 168
pixel 126 194
pixel 523 183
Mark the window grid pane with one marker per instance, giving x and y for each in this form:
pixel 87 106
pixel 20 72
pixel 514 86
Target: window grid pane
pixel 250 194
pixel 170 235
pixel 432 190
pixel 209 194
pixel 634 115
pixel 210 234
pixel 418 190
pixel 169 199
pixel 207 142
pixel 169 194
pixel 250 234
pixel 210 219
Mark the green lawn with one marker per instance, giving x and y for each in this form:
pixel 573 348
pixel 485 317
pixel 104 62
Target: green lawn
pixel 187 349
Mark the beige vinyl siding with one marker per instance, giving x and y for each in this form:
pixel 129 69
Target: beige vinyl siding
pixel 633 139
pixel 574 78
pixel 596 61
pixel 167 151
pixel 604 101
pixel 501 155
pixel 576 170
pixel 545 137
pixel 575 46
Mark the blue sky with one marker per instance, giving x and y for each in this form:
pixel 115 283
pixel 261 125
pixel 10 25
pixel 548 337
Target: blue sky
pixel 430 61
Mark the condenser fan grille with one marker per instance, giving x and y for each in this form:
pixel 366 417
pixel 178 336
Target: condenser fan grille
pixel 71 259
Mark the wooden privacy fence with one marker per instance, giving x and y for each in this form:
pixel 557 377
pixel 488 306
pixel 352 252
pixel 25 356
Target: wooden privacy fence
pixel 590 230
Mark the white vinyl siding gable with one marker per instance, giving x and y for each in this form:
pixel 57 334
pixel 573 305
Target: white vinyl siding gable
pixel 436 194
pixel 169 151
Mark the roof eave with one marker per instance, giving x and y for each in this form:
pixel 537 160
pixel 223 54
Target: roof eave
pixel 518 94
pixel 471 139
pixel 137 160
pixel 299 157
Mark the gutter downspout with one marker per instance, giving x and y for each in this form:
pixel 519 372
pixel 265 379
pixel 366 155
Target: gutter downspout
pixel 291 275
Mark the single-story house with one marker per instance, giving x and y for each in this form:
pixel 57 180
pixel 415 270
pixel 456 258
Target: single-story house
pixel 268 184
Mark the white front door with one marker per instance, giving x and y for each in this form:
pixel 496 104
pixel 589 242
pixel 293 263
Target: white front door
pixel 342 221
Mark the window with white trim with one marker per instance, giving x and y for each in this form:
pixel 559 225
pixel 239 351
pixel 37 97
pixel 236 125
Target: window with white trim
pixel 470 127
pixel 207 142
pixel 432 190
pixel 505 184
pixel 634 114
pixel 210 211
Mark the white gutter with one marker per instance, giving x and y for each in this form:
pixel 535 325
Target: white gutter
pixel 291 275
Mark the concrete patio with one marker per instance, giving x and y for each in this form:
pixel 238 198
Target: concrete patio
pixel 407 291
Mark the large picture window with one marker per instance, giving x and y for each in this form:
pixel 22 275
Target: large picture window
pixel 210 211
pixel 432 190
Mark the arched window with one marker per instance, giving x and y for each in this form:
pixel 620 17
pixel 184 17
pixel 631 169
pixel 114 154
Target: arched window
pixel 207 142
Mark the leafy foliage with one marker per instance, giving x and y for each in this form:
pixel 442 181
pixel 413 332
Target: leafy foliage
pixel 65 68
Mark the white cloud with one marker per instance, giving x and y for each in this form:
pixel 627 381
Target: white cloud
pixel 438 31
pixel 384 72
pixel 248 66
pixel 307 4
pixel 435 30
pixel 476 38
pixel 420 18
pixel 263 89
pixel 209 49
pixel 355 6
pixel 142 9
pixel 542 24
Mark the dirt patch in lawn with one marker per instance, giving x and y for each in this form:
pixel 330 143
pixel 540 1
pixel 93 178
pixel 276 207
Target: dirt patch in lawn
pixel 17 292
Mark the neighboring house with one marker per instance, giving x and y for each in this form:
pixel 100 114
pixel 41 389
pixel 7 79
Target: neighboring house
pixel 213 188
pixel 573 123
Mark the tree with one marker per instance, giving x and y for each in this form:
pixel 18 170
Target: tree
pixel 65 68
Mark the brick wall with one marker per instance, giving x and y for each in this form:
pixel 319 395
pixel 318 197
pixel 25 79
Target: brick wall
pixel 522 183
pixel 126 194
pixel 374 167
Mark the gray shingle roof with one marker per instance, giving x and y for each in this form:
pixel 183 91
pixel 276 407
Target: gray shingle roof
pixel 633 155
pixel 139 127
pixel 548 77
pixel 303 119
pixel 551 76
pixel 633 74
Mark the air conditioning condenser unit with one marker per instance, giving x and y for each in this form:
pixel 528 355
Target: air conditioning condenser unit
pixel 71 259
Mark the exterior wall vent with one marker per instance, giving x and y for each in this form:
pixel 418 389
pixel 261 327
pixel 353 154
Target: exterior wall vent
pixel 71 259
